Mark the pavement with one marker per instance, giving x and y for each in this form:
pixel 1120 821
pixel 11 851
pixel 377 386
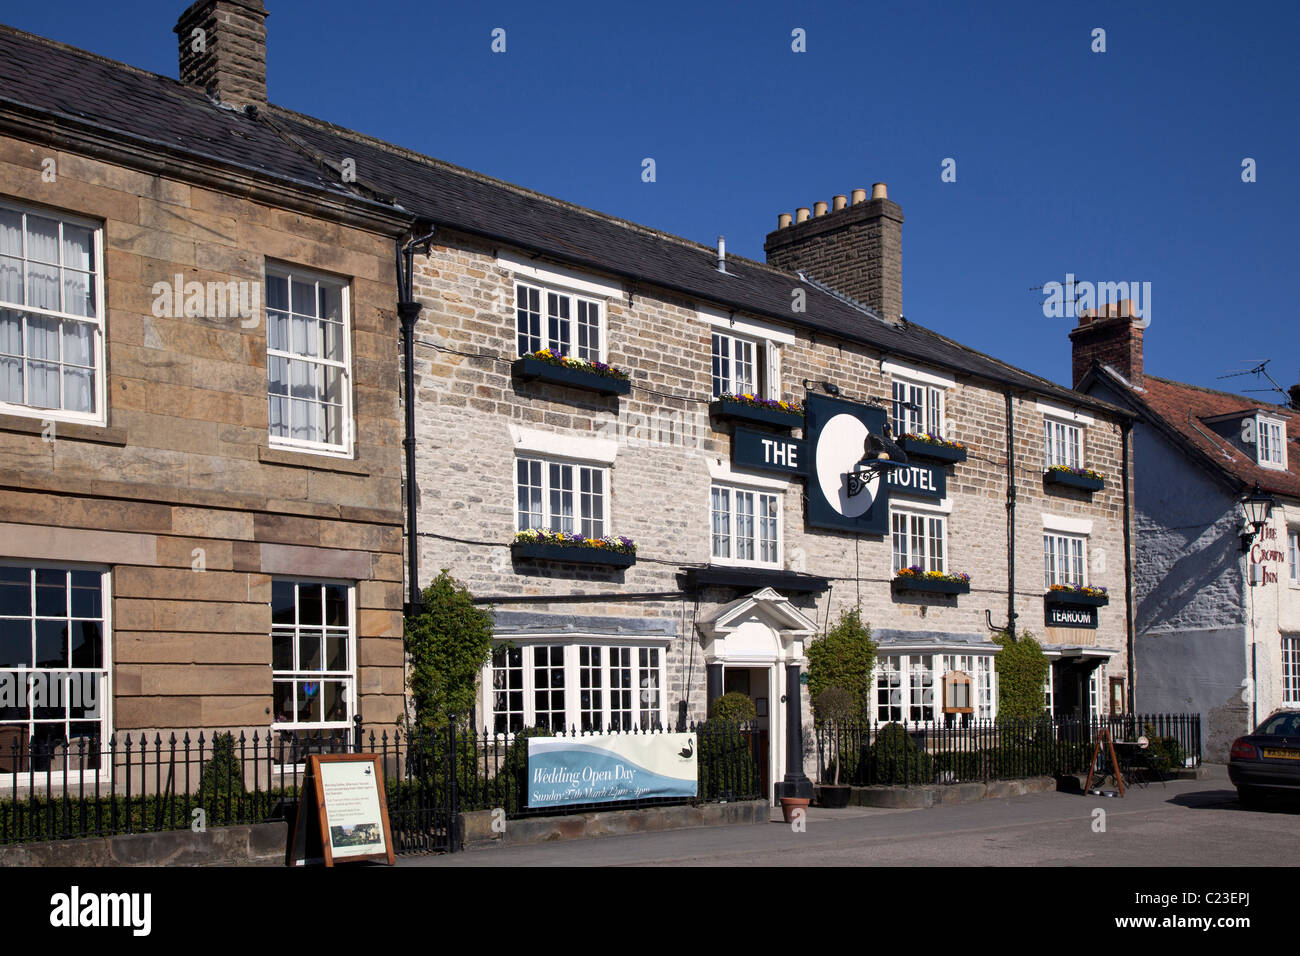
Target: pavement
pixel 1185 823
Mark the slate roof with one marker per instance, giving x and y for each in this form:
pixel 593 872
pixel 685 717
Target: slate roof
pixel 1182 410
pixel 71 87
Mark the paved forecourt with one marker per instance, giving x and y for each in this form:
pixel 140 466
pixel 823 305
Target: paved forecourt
pixel 1189 823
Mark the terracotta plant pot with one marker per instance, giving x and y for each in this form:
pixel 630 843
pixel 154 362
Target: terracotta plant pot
pixel 788 805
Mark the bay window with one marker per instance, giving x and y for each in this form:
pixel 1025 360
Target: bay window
pixel 745 526
pixel 564 322
pixel 51 315
pixel 560 496
pixel 920 688
pixel 308 355
pixel 591 687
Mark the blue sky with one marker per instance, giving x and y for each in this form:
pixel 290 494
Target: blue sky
pixel 1122 165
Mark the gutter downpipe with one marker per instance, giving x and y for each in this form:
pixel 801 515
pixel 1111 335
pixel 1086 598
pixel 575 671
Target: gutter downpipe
pixel 408 311
pixel 1011 515
pixel 1126 430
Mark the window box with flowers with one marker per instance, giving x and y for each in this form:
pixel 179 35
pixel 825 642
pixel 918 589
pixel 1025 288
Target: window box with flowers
pixel 1066 594
pixel 916 578
pixel 763 411
pixel 613 551
pixel 1085 479
pixel 546 366
pixel 932 446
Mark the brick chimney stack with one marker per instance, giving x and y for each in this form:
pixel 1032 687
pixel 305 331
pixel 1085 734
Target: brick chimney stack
pixel 223 50
pixel 1109 336
pixel 855 248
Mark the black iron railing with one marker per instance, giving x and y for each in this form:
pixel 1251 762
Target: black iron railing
pixel 139 783
pixel 869 753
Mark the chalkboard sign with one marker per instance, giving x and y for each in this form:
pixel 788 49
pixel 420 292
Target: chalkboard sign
pixel 342 811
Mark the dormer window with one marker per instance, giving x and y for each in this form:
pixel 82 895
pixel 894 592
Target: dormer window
pixel 1270 447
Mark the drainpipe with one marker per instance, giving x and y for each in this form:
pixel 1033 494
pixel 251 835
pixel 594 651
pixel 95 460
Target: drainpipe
pixel 1011 515
pixel 408 311
pixel 1126 435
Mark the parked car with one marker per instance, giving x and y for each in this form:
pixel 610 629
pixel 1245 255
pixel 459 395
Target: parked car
pixel 1268 760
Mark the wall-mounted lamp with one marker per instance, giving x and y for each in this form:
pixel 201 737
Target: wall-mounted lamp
pixel 1256 508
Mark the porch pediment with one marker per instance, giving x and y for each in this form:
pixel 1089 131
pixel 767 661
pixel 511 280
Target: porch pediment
pixel 762 626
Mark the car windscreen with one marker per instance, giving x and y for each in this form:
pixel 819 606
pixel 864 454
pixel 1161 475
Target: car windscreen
pixel 1281 725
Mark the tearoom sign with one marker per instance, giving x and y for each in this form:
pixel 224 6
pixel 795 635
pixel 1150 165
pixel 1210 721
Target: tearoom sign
pixel 604 768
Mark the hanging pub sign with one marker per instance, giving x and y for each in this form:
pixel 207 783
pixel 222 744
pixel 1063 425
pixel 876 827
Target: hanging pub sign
pixel 1071 615
pixel 849 462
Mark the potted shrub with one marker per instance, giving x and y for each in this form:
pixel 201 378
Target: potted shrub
pixel 836 708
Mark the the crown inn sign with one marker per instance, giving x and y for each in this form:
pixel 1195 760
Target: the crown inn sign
pixel 848 487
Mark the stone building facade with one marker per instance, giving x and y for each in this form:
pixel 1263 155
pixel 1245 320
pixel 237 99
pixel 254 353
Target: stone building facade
pixel 1218 604
pixel 200 426
pixel 735 569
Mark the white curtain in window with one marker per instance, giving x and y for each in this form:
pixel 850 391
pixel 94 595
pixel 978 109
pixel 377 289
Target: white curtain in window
pixel 42 263
pixel 78 371
pixel 302 389
pixel 42 362
pixel 11 350
pixel 11 250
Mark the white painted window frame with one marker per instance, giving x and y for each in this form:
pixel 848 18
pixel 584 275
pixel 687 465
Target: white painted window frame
pixel 1074 433
pixel 296 675
pixel 1051 573
pixel 572 655
pixel 1263 425
pixel 983 680
pixel 758 492
pixel 544 289
pixel 928 419
pixel 1291 669
pixel 106 686
pixel 345 448
pixel 100 415
pixel 546 461
pixel 1293 556
pixel 926 515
